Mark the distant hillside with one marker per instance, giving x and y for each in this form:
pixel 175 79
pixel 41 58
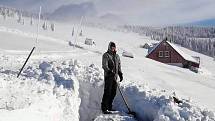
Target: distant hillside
pixel 208 22
pixel 74 11
pixel 111 18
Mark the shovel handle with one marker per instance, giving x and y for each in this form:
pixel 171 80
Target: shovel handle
pixel 126 103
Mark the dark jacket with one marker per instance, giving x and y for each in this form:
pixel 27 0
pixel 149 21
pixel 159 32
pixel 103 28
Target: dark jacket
pixel 111 64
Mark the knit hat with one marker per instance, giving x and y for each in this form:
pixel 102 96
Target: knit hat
pixel 112 44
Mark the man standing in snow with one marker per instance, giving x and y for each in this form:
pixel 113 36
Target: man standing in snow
pixel 112 69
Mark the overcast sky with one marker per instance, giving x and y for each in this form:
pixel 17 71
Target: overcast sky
pixel 153 12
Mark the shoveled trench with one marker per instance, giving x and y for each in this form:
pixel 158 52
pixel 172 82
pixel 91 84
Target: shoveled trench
pixel 85 85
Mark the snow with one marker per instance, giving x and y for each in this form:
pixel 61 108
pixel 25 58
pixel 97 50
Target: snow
pixel 114 117
pixel 127 54
pixel 184 55
pixel 153 48
pixel 61 81
pixel 156 105
pixel 32 100
pixel 65 83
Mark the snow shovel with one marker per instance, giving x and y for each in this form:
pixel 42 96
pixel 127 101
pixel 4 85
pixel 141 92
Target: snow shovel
pixel 126 103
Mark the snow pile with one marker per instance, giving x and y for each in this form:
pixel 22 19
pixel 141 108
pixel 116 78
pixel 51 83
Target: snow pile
pixel 155 105
pixel 67 90
pixel 91 91
pixel 127 54
pixel 46 91
pixel 36 98
pixel 89 78
pixel 68 76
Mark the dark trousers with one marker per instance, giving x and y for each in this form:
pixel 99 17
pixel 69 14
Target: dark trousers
pixel 109 93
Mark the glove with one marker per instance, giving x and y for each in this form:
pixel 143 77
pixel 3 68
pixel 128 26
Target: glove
pixel 121 76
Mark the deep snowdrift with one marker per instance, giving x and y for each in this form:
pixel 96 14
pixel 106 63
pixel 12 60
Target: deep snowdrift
pixel 63 90
pixel 44 90
pixel 157 105
pixel 58 82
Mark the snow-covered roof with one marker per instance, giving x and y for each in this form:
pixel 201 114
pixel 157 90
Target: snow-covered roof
pixel 153 48
pixel 184 55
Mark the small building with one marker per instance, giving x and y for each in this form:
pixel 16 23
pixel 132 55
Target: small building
pixel 89 41
pixel 146 46
pixel 167 52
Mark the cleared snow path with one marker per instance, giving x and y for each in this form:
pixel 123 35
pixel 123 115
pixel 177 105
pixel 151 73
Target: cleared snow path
pixel 114 117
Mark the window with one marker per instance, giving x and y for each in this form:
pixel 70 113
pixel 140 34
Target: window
pixel 160 54
pixel 167 54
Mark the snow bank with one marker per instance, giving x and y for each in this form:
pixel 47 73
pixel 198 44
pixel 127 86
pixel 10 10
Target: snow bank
pixel 67 90
pixel 91 90
pixel 127 54
pixel 66 73
pixel 28 97
pixel 156 105
pixel 45 91
pixel 62 80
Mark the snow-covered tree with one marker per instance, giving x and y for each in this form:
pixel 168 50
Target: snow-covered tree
pixel 53 27
pixel 23 21
pixel 32 20
pixel 73 31
pixel 81 33
pixel 45 26
pixel 4 14
pixel 19 18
